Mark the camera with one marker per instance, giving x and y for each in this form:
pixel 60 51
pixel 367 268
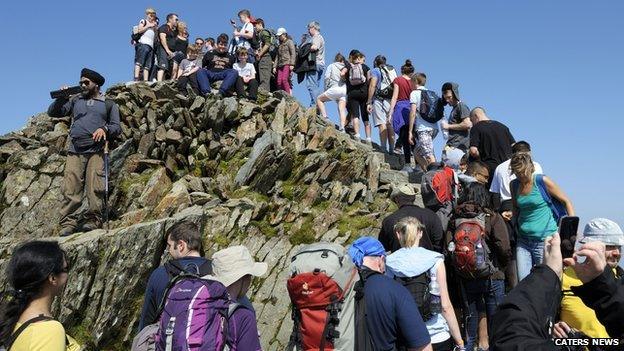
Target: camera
pixel 65 93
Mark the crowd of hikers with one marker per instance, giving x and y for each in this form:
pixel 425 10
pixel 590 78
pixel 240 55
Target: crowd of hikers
pixel 479 266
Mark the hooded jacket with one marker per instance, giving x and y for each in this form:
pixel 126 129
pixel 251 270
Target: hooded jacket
pixel 305 62
pixel 454 88
pixel 496 235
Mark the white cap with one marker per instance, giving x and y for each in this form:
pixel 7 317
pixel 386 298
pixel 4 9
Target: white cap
pixel 604 230
pixel 280 31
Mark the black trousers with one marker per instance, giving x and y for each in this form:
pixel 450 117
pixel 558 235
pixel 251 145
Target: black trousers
pixel 252 88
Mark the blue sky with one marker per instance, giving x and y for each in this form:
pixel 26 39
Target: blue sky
pixel 550 70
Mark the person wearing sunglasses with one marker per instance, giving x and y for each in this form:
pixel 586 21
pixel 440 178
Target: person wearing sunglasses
pixel 37 273
pixel 95 120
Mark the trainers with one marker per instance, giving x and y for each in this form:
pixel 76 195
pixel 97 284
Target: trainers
pixel 398 151
pixel 407 168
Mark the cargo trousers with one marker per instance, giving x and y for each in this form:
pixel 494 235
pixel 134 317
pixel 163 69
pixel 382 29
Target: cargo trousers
pixel 83 173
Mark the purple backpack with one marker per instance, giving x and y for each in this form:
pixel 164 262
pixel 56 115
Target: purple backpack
pixel 195 315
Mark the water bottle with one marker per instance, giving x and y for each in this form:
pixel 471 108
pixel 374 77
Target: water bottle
pixel 451 246
pixel 445 133
pixel 480 258
pixel 435 299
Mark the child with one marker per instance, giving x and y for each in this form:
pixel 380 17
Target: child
pixel 187 69
pixel 243 37
pixel 246 75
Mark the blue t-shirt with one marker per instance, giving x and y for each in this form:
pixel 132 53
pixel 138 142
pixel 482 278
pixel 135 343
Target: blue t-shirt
pixel 375 72
pixel 392 314
pixel 156 288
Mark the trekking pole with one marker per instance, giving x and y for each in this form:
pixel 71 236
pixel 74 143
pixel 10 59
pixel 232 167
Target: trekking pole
pixel 106 170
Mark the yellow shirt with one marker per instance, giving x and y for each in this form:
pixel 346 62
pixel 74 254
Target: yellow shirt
pixel 574 312
pixel 44 336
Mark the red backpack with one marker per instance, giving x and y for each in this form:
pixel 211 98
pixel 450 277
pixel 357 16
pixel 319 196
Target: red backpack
pixel 470 254
pixel 322 296
pixel 438 187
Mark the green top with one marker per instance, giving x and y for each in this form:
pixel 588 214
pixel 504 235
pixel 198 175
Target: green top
pixel 535 219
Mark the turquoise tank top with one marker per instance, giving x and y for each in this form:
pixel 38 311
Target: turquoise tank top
pixel 535 220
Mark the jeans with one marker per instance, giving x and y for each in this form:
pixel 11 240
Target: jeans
pixel 144 55
pixel 312 80
pixel 206 77
pixel 476 292
pixel 529 253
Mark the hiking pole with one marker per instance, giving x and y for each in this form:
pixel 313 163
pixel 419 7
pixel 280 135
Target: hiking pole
pixel 106 170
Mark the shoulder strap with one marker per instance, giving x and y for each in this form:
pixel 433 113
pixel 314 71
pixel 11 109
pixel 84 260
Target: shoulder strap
pixel 541 186
pixel 109 107
pixel 16 334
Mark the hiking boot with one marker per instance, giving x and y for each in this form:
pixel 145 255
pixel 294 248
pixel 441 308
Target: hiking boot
pixel 66 231
pixel 91 225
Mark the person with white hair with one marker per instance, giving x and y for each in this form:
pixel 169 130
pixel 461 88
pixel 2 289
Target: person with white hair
pixel 312 78
pixel 574 313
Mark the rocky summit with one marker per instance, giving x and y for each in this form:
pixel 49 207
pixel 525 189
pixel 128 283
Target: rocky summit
pixel 269 175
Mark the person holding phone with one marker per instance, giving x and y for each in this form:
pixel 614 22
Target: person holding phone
pixel 574 313
pixel 536 220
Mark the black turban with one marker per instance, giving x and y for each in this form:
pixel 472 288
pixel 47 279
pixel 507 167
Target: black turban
pixel 92 76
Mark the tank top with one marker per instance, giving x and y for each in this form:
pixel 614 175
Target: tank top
pixel 535 219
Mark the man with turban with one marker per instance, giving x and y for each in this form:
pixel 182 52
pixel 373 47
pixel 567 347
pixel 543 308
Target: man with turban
pixel 94 121
pixel 387 317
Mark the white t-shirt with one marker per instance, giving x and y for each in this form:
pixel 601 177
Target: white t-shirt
pixel 421 124
pixel 245 71
pixel 148 35
pixel 332 75
pixel 244 42
pixel 503 177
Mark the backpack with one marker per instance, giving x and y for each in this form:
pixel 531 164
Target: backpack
pixel 363 339
pixel 418 286
pixel 386 88
pixel 356 74
pixel 135 35
pixel 146 339
pixel 431 107
pixel 13 337
pixel 557 207
pixel 322 296
pixel 438 186
pixel 471 254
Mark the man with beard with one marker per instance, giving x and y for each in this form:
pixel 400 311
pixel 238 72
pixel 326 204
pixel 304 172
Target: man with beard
pixel 94 121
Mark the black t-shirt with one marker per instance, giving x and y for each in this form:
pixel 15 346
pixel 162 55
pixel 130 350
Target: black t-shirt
pixel 432 237
pixel 171 36
pixel 459 138
pixel 180 45
pixel 218 61
pixel 493 140
pixel 360 87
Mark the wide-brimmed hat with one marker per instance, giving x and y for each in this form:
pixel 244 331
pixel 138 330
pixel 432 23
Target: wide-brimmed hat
pixel 404 189
pixel 233 263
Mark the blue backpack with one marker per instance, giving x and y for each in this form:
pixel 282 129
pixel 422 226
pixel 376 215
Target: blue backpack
pixel 431 107
pixel 558 209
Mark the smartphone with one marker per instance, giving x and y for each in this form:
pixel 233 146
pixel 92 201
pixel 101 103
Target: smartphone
pixel 568 227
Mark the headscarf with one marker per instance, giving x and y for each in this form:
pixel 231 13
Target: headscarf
pixel 365 246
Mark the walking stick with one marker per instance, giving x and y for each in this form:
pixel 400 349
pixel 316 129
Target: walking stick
pixel 106 170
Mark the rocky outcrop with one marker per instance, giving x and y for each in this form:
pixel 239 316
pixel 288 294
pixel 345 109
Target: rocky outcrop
pixel 271 176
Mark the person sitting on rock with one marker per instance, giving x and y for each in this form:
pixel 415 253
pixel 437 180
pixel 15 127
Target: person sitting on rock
pixel 184 245
pixel 187 71
pixel 37 272
pixel 246 75
pixel 95 120
pixel 217 66
pixel 234 267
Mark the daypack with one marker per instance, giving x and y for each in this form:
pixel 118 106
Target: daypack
pixel 431 107
pixel 356 74
pixel 557 207
pixel 418 286
pixel 13 337
pixel 363 339
pixel 438 187
pixel 322 296
pixel 135 35
pixel 471 254
pixel 386 87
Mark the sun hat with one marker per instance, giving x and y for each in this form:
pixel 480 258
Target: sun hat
pixel 233 263
pixel 404 189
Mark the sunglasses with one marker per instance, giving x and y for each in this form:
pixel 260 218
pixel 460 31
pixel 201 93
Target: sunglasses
pixel 84 82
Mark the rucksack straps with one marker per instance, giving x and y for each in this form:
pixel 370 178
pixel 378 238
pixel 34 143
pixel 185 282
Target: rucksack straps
pixel 18 332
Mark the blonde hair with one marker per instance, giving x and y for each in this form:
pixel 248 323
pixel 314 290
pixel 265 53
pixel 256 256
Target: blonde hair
pixel 410 230
pixel 150 10
pixel 522 165
pixel 182 28
pixel 192 50
pixel 242 51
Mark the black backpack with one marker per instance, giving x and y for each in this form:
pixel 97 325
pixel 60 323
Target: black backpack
pixel 431 107
pixel 174 268
pixel 419 288
pixel 363 339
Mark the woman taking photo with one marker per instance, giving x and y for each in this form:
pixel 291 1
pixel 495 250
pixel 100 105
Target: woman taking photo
pixel 411 261
pixel 535 218
pixel 37 272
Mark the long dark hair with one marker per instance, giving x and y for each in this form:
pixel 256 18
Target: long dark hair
pixel 30 267
pixel 476 194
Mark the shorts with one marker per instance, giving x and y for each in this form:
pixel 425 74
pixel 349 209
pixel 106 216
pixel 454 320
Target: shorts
pixel 381 108
pixel 424 142
pixel 178 56
pixel 356 104
pixel 451 156
pixel 143 56
pixel 336 93
pixel 162 59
